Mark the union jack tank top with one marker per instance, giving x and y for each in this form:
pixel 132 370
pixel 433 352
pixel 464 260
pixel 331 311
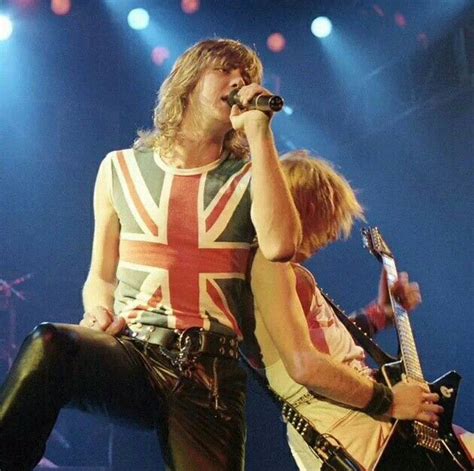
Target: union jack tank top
pixel 185 237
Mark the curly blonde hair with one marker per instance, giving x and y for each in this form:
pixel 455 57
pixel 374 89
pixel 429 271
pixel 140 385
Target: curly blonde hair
pixel 326 202
pixel 174 92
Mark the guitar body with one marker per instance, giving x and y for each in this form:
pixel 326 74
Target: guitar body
pixel 408 447
pixel 413 445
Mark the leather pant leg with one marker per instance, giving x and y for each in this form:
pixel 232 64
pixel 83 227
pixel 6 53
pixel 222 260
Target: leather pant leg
pixel 62 365
pixel 199 417
pixel 203 422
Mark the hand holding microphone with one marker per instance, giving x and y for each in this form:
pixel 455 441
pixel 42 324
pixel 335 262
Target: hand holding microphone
pixel 262 102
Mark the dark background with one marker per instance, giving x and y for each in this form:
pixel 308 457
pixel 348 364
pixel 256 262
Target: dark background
pixel 391 105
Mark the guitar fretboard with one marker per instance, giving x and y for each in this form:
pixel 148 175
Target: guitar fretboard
pixel 410 356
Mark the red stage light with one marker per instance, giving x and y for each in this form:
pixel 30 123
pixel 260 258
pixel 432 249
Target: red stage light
pixel 159 55
pixel 400 20
pixel 61 7
pixel 276 42
pixel 190 6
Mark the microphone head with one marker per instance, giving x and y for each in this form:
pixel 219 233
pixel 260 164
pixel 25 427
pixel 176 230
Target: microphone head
pixel 233 97
pixel 275 103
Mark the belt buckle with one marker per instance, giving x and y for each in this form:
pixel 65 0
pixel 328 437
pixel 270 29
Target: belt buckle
pixel 184 342
pixel 183 360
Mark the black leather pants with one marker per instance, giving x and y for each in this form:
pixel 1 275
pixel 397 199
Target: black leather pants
pixel 197 412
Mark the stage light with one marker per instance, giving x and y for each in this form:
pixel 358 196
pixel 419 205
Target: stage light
pixel 159 55
pixel 190 6
pixel 61 7
pixel 276 42
pixel 138 18
pixel 400 20
pixel 6 27
pixel 321 27
pixel 288 110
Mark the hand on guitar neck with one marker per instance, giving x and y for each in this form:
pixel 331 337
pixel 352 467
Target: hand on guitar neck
pixel 407 293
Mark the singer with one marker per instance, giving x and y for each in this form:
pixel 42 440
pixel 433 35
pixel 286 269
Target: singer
pixel 175 218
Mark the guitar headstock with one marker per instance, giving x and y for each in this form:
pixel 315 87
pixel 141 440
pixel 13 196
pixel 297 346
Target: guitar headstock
pixel 373 241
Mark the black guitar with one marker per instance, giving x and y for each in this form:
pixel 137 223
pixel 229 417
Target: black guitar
pixel 414 445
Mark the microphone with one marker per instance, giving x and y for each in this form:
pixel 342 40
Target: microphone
pixel 259 102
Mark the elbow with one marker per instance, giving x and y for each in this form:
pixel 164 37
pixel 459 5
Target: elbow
pixel 280 245
pixel 280 251
pixel 301 370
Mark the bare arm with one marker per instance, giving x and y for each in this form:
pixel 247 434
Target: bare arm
pixel 274 289
pixel 273 212
pixel 98 291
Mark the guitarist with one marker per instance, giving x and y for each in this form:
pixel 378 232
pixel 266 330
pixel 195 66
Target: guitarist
pixel 328 207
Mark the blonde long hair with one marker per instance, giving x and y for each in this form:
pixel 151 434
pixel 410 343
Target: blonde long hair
pixel 326 202
pixel 174 92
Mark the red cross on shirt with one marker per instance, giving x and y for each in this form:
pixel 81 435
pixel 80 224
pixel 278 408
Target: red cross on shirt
pixel 182 256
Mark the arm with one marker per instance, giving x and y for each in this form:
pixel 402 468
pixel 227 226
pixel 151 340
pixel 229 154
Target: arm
pixel 98 291
pixel 274 214
pixel 274 289
pixel 379 314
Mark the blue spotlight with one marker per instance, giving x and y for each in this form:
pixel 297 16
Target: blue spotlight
pixel 138 18
pixel 288 110
pixel 321 27
pixel 6 27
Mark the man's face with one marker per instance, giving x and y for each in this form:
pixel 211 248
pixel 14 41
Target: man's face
pixel 211 92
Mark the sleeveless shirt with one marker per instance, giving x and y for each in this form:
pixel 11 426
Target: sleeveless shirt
pixel 185 237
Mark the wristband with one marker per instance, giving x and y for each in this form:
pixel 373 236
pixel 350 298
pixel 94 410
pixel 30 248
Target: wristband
pixel 381 401
pixel 377 316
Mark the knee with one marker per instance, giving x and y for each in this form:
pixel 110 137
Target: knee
pixel 50 337
pixel 45 333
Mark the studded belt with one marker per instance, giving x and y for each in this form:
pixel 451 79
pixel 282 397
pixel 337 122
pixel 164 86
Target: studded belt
pixel 193 340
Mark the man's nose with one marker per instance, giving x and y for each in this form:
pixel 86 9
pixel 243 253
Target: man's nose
pixel 237 82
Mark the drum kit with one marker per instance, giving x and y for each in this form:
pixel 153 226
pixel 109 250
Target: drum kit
pixel 8 295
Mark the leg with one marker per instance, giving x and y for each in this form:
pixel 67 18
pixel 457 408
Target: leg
pixel 60 365
pixel 205 419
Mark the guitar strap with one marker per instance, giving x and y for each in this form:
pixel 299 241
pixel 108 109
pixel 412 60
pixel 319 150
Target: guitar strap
pixel 333 455
pixel 379 355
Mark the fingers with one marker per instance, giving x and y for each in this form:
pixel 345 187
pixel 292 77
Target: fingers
pixel 428 418
pixel 235 117
pixel 116 327
pixel 432 408
pixel 99 318
pixel 429 410
pixel 407 294
pixel 430 397
pixel 247 92
pixel 235 111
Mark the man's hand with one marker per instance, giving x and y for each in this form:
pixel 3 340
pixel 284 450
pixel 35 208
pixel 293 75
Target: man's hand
pixel 249 120
pixel 413 401
pixel 103 320
pixel 405 292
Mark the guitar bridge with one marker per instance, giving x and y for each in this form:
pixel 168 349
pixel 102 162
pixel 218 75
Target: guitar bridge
pixel 427 437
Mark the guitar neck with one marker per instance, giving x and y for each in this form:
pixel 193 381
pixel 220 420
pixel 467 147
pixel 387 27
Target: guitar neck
pixel 408 349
